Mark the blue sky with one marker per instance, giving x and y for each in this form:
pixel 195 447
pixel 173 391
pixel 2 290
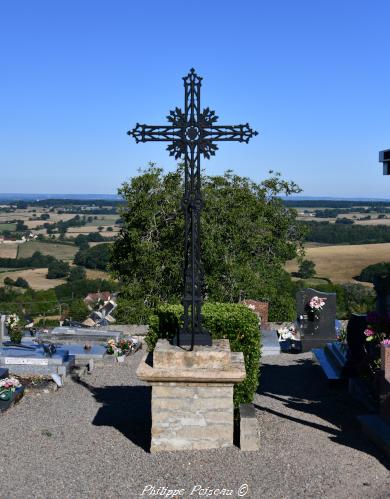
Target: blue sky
pixel 311 76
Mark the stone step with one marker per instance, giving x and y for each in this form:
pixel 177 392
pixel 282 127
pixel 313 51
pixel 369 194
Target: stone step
pixel 338 351
pixel 331 370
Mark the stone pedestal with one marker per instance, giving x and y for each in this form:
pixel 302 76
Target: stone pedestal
pixel 192 395
pixel 385 383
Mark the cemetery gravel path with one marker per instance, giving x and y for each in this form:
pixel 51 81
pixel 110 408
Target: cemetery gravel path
pixel 88 440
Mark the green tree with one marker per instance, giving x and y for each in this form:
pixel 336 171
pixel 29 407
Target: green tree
pixel 81 241
pixel 97 257
pixel 358 298
pixel 57 269
pixel 21 283
pixel 78 310
pixel 76 274
pixel 247 236
pixel 307 269
pixel 369 273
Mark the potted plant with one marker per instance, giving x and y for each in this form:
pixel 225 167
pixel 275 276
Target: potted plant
pixel 15 328
pixel 376 332
pixel 8 387
pixel 119 349
pixel 289 339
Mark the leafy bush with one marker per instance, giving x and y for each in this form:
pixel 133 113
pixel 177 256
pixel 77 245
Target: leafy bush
pixel 369 273
pixel 78 310
pixel 46 323
pixel 58 269
pixel 21 283
pixel 224 320
pixel 307 269
pixel 76 273
pixel 97 257
pixel 8 281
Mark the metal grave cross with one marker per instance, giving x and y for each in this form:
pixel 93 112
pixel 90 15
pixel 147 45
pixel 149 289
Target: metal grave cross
pixel 192 133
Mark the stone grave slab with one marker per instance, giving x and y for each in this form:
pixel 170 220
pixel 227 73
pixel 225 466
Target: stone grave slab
pixel 68 335
pixel 83 356
pixel 270 342
pixel 316 328
pixel 33 361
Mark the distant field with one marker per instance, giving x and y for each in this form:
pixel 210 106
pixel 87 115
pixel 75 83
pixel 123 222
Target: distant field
pixel 87 229
pixel 8 250
pixel 376 221
pixel 108 220
pixel 97 274
pixel 342 263
pixel 4 226
pixel 35 277
pixel 59 251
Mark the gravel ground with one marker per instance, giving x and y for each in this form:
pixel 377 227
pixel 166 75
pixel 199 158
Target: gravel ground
pixel 90 440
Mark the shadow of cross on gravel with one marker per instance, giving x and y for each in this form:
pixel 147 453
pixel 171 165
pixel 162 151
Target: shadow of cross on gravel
pixel 125 408
pixel 302 387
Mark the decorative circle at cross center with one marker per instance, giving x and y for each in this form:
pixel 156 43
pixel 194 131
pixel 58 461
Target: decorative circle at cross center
pixel 192 133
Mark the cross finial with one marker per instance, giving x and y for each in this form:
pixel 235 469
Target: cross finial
pixel 192 133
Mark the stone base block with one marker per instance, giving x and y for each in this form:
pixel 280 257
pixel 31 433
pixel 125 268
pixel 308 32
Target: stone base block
pixel 249 430
pixel 190 416
pixel 192 395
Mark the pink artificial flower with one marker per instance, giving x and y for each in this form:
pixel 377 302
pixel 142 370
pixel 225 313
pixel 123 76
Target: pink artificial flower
pixel 386 343
pixel 369 332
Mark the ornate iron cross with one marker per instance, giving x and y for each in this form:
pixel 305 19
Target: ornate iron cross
pixel 192 133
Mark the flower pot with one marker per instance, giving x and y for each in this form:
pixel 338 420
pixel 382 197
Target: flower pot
pixel 120 358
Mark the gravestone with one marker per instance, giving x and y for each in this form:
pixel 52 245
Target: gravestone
pixel 34 361
pixel 356 340
pixel 68 335
pixel 2 329
pixel 382 290
pixel 315 328
pixel 260 308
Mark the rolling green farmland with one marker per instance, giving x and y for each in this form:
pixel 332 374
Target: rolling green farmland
pixel 10 227
pixel 59 251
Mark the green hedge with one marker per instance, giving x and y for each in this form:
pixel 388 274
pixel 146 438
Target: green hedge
pixel 232 321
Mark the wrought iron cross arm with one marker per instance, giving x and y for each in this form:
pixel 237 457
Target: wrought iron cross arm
pixel 146 133
pixel 240 133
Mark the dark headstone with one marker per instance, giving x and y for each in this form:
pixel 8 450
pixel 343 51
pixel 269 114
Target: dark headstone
pixel 3 373
pixel 356 340
pixel 316 328
pixel 382 289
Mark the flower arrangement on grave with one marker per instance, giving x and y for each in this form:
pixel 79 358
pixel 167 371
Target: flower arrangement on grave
pixel 121 347
pixel 7 387
pixel 288 333
pixel 316 304
pixel 377 332
pixel 15 328
pixel 342 335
